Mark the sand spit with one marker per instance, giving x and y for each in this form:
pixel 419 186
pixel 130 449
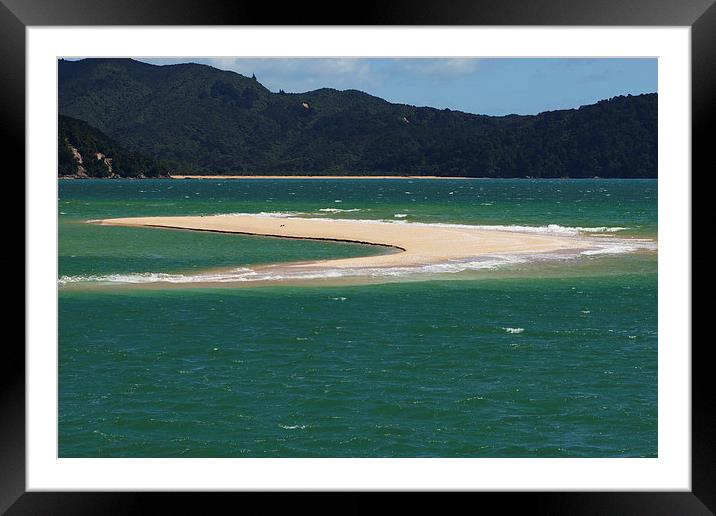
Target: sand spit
pixel 414 244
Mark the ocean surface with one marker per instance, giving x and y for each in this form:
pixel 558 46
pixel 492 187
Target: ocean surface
pixel 513 358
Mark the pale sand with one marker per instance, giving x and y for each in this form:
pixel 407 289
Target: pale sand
pixel 414 244
pixel 316 177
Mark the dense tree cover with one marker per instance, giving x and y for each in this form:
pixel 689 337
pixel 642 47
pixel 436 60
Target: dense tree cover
pixel 212 121
pixel 100 156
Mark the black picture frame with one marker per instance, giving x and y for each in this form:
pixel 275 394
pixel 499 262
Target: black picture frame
pixel 16 15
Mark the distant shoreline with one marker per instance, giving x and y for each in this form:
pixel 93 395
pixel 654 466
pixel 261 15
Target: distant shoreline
pixel 196 176
pixel 232 177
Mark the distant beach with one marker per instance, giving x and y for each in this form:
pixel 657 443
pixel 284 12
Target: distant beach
pixel 194 176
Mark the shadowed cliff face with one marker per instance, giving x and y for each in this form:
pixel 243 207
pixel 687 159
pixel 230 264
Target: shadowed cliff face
pixel 102 167
pixel 212 121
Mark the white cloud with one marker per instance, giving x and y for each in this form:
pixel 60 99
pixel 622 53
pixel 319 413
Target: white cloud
pixel 441 67
pixel 302 74
pixel 368 74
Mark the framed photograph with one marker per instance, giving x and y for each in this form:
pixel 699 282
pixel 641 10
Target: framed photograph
pixel 435 250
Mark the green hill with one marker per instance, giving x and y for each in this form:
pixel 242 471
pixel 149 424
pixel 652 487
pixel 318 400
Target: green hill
pixel 211 121
pixel 83 151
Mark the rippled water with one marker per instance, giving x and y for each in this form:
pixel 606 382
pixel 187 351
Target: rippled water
pixel 555 359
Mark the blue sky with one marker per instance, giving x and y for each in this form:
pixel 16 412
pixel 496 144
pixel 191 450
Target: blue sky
pixel 475 85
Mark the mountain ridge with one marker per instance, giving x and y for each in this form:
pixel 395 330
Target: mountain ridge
pixel 210 121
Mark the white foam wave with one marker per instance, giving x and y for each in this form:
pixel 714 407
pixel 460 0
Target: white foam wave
pixel 267 214
pixel 250 275
pixel 620 247
pixel 277 273
pixel 152 277
pixel 514 330
pixel 552 229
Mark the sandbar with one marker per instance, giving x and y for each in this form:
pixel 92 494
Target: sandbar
pixel 411 244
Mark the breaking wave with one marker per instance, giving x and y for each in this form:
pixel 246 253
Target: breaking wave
pixel 268 214
pixel 555 229
pixel 514 330
pixel 549 229
pixel 286 273
pixel 298 273
pixel 338 210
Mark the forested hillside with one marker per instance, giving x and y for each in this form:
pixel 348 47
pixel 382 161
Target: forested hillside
pixel 204 120
pixel 83 151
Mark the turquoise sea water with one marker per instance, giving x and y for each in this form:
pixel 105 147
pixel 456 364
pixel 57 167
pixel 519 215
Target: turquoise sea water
pixel 554 359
